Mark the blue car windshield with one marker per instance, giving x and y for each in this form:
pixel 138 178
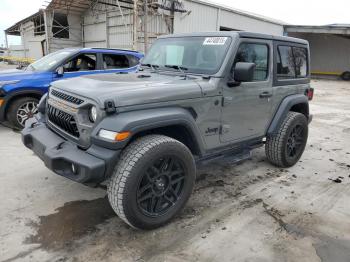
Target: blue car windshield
pixel 50 61
pixel 201 55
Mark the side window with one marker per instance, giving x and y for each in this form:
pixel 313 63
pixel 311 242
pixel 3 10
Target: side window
pixel 111 61
pixel 292 62
pixel 258 54
pixel 301 62
pixel 82 62
pixel 133 60
pixel 285 63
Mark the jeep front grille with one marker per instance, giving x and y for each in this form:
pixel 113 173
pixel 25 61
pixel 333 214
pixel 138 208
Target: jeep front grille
pixel 66 97
pixel 63 120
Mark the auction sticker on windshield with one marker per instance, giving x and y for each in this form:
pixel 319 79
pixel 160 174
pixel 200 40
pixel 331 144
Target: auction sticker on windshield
pixel 214 40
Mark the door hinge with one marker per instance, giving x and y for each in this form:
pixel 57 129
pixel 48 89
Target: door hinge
pixel 226 100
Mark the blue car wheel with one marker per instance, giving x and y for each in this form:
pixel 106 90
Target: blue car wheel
pixel 21 110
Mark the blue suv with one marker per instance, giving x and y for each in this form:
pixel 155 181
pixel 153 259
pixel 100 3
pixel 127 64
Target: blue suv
pixel 21 90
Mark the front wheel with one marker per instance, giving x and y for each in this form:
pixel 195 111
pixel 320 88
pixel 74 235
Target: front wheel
pixel 21 110
pixel 285 148
pixel 152 181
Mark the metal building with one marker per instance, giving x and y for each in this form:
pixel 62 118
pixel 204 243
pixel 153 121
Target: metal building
pixel 130 24
pixel 329 47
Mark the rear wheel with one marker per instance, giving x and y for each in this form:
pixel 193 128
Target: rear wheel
pixel 285 148
pixel 21 110
pixel 345 76
pixel 152 181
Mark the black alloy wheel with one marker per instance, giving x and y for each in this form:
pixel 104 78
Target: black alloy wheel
pixel 285 147
pixel 295 142
pixel 152 181
pixel 161 186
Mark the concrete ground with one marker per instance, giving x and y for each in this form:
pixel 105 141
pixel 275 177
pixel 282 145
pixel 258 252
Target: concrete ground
pixel 5 66
pixel 248 212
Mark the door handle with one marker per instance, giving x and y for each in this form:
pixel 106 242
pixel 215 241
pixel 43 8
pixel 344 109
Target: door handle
pixel 265 95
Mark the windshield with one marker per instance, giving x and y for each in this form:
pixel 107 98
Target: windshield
pixel 50 61
pixel 201 55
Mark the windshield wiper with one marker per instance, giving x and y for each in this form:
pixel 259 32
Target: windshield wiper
pixel 180 68
pixel 153 67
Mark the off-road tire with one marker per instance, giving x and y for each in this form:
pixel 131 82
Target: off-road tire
pixel 13 108
pixel 122 187
pixel 345 76
pixel 276 145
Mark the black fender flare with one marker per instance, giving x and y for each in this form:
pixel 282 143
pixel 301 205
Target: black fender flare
pixel 283 109
pixel 12 95
pixel 148 119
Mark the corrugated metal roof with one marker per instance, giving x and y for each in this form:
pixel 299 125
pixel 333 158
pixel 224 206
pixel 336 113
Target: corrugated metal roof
pixel 15 29
pixel 341 29
pixel 78 6
pixel 81 6
pixel 240 12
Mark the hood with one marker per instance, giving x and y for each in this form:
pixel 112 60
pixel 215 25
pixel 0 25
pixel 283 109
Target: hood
pixel 10 71
pixel 15 74
pixel 132 89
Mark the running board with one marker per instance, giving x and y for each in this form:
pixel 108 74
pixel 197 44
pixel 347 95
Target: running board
pixel 227 159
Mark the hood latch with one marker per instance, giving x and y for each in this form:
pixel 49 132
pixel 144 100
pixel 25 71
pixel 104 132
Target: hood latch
pixel 110 106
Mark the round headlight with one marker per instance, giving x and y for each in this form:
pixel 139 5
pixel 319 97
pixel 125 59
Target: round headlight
pixel 93 114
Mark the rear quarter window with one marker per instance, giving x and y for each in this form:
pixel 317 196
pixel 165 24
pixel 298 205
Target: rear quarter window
pixel 301 63
pixel 292 62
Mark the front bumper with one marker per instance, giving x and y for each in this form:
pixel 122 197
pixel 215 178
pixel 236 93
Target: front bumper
pixel 91 166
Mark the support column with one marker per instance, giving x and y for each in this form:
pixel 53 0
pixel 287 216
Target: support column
pixel 218 20
pixel 23 42
pixel 107 30
pixel 145 26
pixel 6 41
pixel 47 49
pixel 172 16
pixel 135 19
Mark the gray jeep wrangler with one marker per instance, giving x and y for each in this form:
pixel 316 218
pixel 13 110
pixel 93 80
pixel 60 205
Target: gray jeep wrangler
pixel 197 98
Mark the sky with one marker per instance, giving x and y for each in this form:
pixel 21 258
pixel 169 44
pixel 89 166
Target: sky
pixel 300 12
pixel 12 11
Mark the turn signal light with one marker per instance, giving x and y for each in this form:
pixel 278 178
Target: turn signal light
pixel 122 136
pixel 114 136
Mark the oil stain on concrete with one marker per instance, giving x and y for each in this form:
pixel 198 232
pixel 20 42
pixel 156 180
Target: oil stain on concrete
pixel 71 222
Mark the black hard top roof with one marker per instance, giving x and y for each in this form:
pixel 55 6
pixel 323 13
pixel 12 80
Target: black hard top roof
pixel 242 34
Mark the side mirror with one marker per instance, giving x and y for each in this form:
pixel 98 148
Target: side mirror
pixel 243 72
pixel 60 71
